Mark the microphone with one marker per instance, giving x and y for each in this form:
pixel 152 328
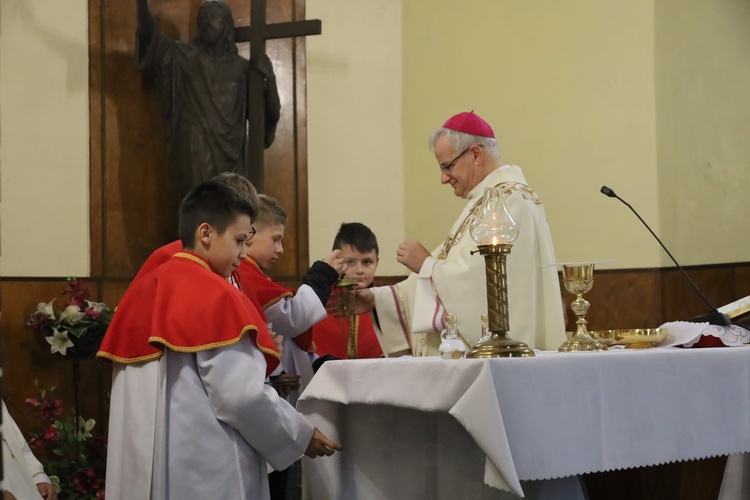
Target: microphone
pixel 714 317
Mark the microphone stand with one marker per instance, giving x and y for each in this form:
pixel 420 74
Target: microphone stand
pixel 714 317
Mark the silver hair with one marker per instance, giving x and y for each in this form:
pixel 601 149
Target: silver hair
pixel 460 141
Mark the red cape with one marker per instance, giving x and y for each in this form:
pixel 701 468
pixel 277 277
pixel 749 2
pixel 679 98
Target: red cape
pixel 182 305
pixel 331 336
pixel 270 292
pixel 164 253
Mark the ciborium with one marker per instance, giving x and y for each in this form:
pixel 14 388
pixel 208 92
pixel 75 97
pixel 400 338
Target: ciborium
pixel 495 231
pixel 578 278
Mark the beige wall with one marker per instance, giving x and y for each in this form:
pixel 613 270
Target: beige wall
pixel 354 120
pixel 44 138
pixel 580 93
pixel 703 117
pixel 569 90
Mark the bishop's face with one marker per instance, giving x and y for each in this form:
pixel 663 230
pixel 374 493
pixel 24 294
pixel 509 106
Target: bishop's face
pixel 211 23
pixel 460 169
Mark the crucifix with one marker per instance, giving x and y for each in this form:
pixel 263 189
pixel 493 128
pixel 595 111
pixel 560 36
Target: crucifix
pixel 257 34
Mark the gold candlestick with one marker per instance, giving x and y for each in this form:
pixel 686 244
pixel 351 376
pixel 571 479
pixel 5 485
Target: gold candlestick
pixel 499 345
pixel 495 231
pixel 578 279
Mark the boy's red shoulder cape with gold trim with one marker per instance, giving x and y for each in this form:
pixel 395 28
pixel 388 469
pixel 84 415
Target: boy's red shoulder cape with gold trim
pixel 184 306
pixel 164 253
pixel 270 292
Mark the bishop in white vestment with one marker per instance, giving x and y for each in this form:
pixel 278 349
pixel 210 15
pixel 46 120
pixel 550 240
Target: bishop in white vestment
pixel 450 280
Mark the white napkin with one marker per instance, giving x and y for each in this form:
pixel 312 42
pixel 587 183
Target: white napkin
pixel 687 334
pixel 682 332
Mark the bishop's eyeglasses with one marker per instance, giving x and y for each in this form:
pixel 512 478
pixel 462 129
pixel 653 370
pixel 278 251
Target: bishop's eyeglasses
pixel 447 167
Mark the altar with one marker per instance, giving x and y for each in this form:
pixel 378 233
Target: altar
pixel 432 428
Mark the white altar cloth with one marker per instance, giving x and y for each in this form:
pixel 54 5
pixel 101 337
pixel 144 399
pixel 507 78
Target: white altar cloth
pixel 552 416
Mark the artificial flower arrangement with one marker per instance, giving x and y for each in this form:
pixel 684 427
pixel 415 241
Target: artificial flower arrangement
pixel 76 459
pixel 77 330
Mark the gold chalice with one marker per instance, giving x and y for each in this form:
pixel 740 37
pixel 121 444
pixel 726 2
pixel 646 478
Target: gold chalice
pixel 578 279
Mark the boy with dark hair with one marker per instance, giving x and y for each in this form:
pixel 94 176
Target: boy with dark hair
pixel 359 247
pixel 190 414
pixel 292 312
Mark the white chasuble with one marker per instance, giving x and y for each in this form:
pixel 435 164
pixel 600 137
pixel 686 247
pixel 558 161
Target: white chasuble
pixel 21 470
pixel 452 281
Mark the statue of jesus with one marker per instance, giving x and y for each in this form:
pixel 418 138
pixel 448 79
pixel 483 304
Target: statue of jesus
pixel 203 85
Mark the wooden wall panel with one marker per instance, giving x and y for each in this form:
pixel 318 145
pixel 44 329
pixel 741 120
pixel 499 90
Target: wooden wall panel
pixel 27 356
pixel 133 207
pixel 620 299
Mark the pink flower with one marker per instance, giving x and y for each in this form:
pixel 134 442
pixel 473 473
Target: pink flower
pixel 51 409
pixel 88 481
pixel 100 495
pixel 35 442
pixel 92 313
pixel 52 433
pixel 32 402
pixel 78 293
pixel 96 447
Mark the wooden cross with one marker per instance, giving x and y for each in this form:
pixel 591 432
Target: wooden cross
pixel 257 34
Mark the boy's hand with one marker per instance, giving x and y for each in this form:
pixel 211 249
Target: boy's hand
pixel 278 341
pixel 285 384
pixel 336 261
pixel 47 491
pixel 320 445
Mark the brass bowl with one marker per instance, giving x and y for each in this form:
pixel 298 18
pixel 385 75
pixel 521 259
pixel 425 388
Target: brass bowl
pixel 637 338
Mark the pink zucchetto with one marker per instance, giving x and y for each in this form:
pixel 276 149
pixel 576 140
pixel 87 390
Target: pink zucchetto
pixel 469 123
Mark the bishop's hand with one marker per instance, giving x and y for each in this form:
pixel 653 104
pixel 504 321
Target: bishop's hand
pixel 412 254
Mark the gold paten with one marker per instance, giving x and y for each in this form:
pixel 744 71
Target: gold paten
pixel 637 338
pixel 499 345
pixel 579 279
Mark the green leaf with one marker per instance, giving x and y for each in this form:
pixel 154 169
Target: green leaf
pixel 57 451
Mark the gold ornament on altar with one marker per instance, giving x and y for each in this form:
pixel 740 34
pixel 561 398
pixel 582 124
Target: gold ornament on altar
pixel 578 278
pixel 346 287
pixel 494 230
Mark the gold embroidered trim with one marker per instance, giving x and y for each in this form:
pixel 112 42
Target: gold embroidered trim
pixel 204 347
pixel 128 361
pixel 12 455
pixel 37 474
pixel 506 188
pixel 277 299
pixel 188 256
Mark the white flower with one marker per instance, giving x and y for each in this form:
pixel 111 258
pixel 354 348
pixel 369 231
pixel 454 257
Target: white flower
pixel 86 426
pixel 59 342
pixel 55 481
pixel 46 309
pixel 72 314
pixel 96 306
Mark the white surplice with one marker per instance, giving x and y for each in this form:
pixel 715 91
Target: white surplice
pixel 292 316
pixel 199 425
pixel 21 470
pixel 452 281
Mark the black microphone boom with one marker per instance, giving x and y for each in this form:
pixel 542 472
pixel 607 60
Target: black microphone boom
pixel 714 317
